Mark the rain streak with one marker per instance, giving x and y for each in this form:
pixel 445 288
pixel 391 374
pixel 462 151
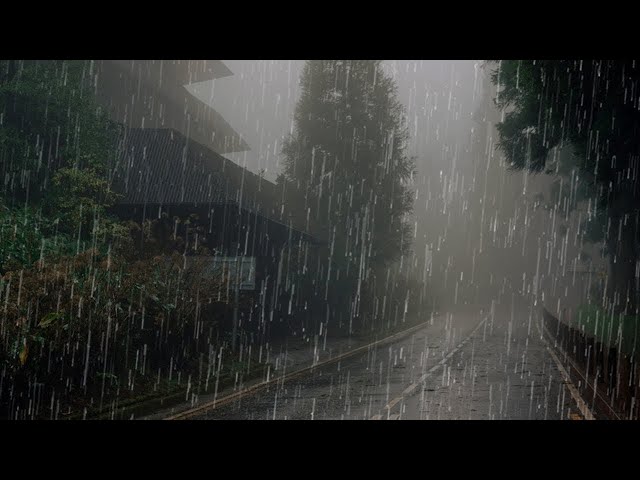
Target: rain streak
pixel 319 239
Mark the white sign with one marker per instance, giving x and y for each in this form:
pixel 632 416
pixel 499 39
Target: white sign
pixel 228 266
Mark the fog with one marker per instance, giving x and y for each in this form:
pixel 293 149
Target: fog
pixel 471 212
pixel 260 244
pixel 259 99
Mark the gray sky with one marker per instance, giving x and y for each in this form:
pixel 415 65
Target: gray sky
pixel 259 99
pixel 494 232
pixel 258 102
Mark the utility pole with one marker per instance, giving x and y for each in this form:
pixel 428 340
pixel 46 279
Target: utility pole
pixel 236 304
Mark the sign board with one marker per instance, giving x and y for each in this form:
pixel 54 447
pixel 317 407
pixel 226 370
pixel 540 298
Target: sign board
pixel 229 266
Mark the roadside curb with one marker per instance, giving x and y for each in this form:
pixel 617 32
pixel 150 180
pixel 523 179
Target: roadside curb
pixel 599 405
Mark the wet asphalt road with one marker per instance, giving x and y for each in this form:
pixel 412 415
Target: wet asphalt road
pixel 484 363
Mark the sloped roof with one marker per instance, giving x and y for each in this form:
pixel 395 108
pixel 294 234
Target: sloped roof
pixel 173 142
pixel 173 72
pixel 152 94
pixel 158 167
pixel 163 167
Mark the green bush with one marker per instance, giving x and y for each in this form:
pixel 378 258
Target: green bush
pixel 26 236
pixel 607 327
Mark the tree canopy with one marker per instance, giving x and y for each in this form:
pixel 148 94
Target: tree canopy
pixel 592 107
pixel 56 142
pixel 347 156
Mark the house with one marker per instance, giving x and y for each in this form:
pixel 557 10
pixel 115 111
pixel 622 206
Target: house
pixel 171 164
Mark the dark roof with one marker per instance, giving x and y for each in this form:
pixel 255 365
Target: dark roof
pixel 172 146
pixel 174 72
pixel 152 94
pixel 163 167
pixel 158 167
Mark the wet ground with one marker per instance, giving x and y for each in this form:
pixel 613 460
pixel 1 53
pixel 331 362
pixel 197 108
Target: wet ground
pixel 482 363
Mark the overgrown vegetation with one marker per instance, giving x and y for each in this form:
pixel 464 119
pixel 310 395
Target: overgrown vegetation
pixel 93 310
pixel 578 119
pixel 610 328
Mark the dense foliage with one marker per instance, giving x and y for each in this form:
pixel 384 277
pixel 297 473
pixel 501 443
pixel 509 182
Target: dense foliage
pixel 347 165
pixel 581 119
pixel 94 310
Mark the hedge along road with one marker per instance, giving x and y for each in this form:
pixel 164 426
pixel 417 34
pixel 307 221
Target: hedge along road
pixel 473 363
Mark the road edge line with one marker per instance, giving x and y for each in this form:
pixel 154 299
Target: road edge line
pixel 585 411
pixel 255 388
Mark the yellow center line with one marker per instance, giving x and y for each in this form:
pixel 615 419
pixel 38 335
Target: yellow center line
pixel 259 386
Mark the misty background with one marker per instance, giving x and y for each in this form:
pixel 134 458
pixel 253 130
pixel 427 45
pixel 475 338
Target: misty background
pixel 259 99
pixel 481 230
pixel 169 238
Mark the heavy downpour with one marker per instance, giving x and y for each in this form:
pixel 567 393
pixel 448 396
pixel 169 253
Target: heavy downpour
pixel 319 239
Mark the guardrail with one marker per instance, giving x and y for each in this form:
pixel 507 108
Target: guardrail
pixel 608 374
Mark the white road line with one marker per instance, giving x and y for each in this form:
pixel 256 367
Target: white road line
pixel 414 386
pixel 582 405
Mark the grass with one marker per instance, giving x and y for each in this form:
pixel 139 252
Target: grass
pixel 151 397
pixel 609 328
